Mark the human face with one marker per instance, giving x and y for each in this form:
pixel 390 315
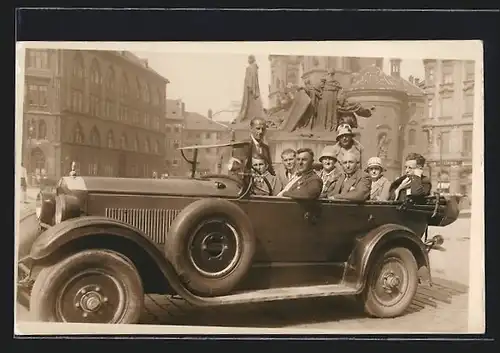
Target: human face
pixel 349 163
pixel 258 130
pixel 304 162
pixel 328 163
pixel 375 172
pixel 410 166
pixel 288 161
pixel 259 165
pixel 345 140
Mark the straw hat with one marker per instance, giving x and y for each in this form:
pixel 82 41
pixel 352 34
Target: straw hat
pixel 374 162
pixel 328 151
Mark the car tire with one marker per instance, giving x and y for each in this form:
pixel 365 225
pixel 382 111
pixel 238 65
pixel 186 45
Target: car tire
pixel 211 246
pixel 91 286
pixel 395 272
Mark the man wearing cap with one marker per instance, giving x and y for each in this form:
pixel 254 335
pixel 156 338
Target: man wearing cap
pixel 306 184
pixel 354 184
pixel 347 143
pixel 328 174
pixel 380 184
pixel 413 182
pixel 242 157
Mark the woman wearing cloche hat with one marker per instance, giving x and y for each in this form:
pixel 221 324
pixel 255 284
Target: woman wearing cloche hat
pixel 380 184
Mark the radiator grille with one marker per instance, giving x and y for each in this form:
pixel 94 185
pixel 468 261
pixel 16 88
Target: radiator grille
pixel 153 222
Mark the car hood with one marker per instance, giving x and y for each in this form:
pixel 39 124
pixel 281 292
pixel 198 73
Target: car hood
pixel 171 186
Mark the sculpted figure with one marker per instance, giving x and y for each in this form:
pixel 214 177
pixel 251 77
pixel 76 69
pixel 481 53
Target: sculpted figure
pixel 327 108
pixel 347 112
pixel 251 105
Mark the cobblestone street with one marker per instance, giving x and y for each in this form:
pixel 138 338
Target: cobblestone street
pixel 442 308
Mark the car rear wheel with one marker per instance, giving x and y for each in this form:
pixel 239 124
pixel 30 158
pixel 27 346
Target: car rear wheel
pixel 211 246
pixel 392 284
pixel 92 286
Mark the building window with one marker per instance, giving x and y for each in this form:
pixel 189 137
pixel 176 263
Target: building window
pixel 37 95
pixel 160 97
pixel 38 59
pixel 445 142
pixel 447 75
pixel 168 129
pixel 207 135
pixel 412 137
pixel 469 103
pixel 123 142
pixel 78 68
pixel 146 170
pixel 430 75
pixel 93 168
pixel 467 143
pixel 124 88
pixel 469 71
pixel 156 147
pixel 175 162
pixel 110 80
pixel 147 122
pixel 177 129
pixel 109 109
pixel 147 94
pixel 94 105
pixel 77 100
pixel 136 144
pixel 42 130
pixel 108 170
pixel 176 144
pixel 111 140
pixel 446 107
pixel 78 135
pixel 147 146
pixel 135 117
pixel 95 138
pixel 95 74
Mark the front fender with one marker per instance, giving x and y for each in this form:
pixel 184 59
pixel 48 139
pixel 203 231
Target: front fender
pixel 368 247
pixel 77 228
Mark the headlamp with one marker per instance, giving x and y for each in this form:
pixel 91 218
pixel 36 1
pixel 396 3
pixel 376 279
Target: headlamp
pixel 67 206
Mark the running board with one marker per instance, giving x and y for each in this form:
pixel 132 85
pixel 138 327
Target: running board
pixel 284 293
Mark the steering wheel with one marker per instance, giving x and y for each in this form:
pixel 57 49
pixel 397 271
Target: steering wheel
pixel 236 180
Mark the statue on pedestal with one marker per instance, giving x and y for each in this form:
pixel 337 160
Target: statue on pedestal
pixel 251 105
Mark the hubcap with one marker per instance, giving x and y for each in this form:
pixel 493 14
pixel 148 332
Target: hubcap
pixel 214 248
pixel 391 284
pixel 92 296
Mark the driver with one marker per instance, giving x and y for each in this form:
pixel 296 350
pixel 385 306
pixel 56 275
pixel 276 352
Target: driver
pixel 241 159
pixel 260 187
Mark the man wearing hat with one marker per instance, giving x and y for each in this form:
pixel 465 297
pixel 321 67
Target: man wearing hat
pixel 380 184
pixel 329 173
pixel 347 143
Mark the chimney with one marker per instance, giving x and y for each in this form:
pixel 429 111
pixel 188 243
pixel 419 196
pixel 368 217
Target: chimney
pixel 395 67
pixel 210 114
pixel 410 78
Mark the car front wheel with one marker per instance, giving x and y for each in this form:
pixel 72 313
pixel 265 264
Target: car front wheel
pixel 392 283
pixel 92 286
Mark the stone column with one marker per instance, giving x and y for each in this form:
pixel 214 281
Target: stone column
pixel 455 178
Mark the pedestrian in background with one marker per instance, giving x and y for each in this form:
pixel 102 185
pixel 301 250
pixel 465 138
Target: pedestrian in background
pixel 24 185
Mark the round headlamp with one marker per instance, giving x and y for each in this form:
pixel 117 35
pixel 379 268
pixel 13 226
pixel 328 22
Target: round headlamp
pixel 45 206
pixel 67 206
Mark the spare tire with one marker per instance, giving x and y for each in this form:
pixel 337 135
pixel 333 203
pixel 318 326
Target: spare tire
pixel 211 246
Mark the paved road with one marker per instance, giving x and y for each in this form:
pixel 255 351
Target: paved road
pixel 443 308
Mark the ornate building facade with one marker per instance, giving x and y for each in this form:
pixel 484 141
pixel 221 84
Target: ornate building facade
pixel 449 86
pixel 174 132
pixel 105 110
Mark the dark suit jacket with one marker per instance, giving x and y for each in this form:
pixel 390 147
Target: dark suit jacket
pixel 356 187
pixel 306 188
pixel 245 154
pixel 419 186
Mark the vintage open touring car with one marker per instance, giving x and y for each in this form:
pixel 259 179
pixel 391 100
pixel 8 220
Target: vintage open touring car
pixel 103 243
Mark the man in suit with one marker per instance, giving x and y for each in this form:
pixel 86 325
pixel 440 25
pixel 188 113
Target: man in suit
pixel 353 184
pixel 260 187
pixel 241 159
pixel 413 183
pixel 306 184
pixel 287 171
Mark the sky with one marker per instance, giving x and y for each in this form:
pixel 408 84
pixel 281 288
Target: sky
pixel 215 80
